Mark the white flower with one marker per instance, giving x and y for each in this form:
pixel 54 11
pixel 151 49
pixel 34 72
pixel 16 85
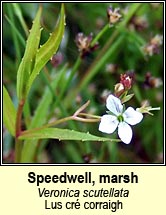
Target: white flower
pixel 117 117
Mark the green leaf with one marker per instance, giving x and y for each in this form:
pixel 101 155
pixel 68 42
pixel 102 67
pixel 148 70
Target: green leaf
pixel 19 14
pixel 127 98
pixel 28 60
pixel 15 30
pixel 49 48
pixel 9 112
pixel 39 118
pixel 61 134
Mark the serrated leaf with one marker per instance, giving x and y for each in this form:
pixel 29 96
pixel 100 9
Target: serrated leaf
pixel 39 118
pixel 61 134
pixel 28 60
pixel 49 48
pixel 9 112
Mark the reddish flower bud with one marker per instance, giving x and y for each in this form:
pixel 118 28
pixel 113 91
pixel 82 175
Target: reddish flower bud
pixel 153 46
pixel 152 82
pixel 84 44
pixel 126 81
pixel 57 59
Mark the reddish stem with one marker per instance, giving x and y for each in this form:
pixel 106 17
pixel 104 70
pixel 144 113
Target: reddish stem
pixel 18 143
pixel 19 117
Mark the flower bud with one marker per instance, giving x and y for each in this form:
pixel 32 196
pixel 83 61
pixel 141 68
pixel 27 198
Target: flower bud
pixel 119 89
pixel 153 46
pixel 152 82
pixel 57 60
pixel 139 23
pixel 113 15
pixel 126 81
pixel 84 44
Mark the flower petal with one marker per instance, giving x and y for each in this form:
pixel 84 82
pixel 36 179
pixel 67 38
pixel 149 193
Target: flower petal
pixel 108 124
pixel 125 132
pixel 132 116
pixel 114 105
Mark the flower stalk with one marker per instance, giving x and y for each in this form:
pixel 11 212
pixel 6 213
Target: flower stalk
pixel 77 116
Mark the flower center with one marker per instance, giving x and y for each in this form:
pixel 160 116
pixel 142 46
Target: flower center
pixel 120 118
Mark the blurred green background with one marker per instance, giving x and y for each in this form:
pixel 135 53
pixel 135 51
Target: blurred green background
pixel 119 52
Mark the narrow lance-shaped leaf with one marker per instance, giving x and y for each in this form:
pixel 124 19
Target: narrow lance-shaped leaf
pixel 9 112
pixel 39 118
pixel 61 134
pixel 49 48
pixel 28 60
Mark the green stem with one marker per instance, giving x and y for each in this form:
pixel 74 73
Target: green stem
pixel 14 34
pixel 100 34
pixel 56 99
pixel 18 143
pixel 89 115
pixel 76 66
pixel 18 150
pixel 49 125
pixel 58 122
pixel 108 50
pixel 76 118
pixel 78 63
pixel 18 13
pixel 85 120
pixel 20 37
